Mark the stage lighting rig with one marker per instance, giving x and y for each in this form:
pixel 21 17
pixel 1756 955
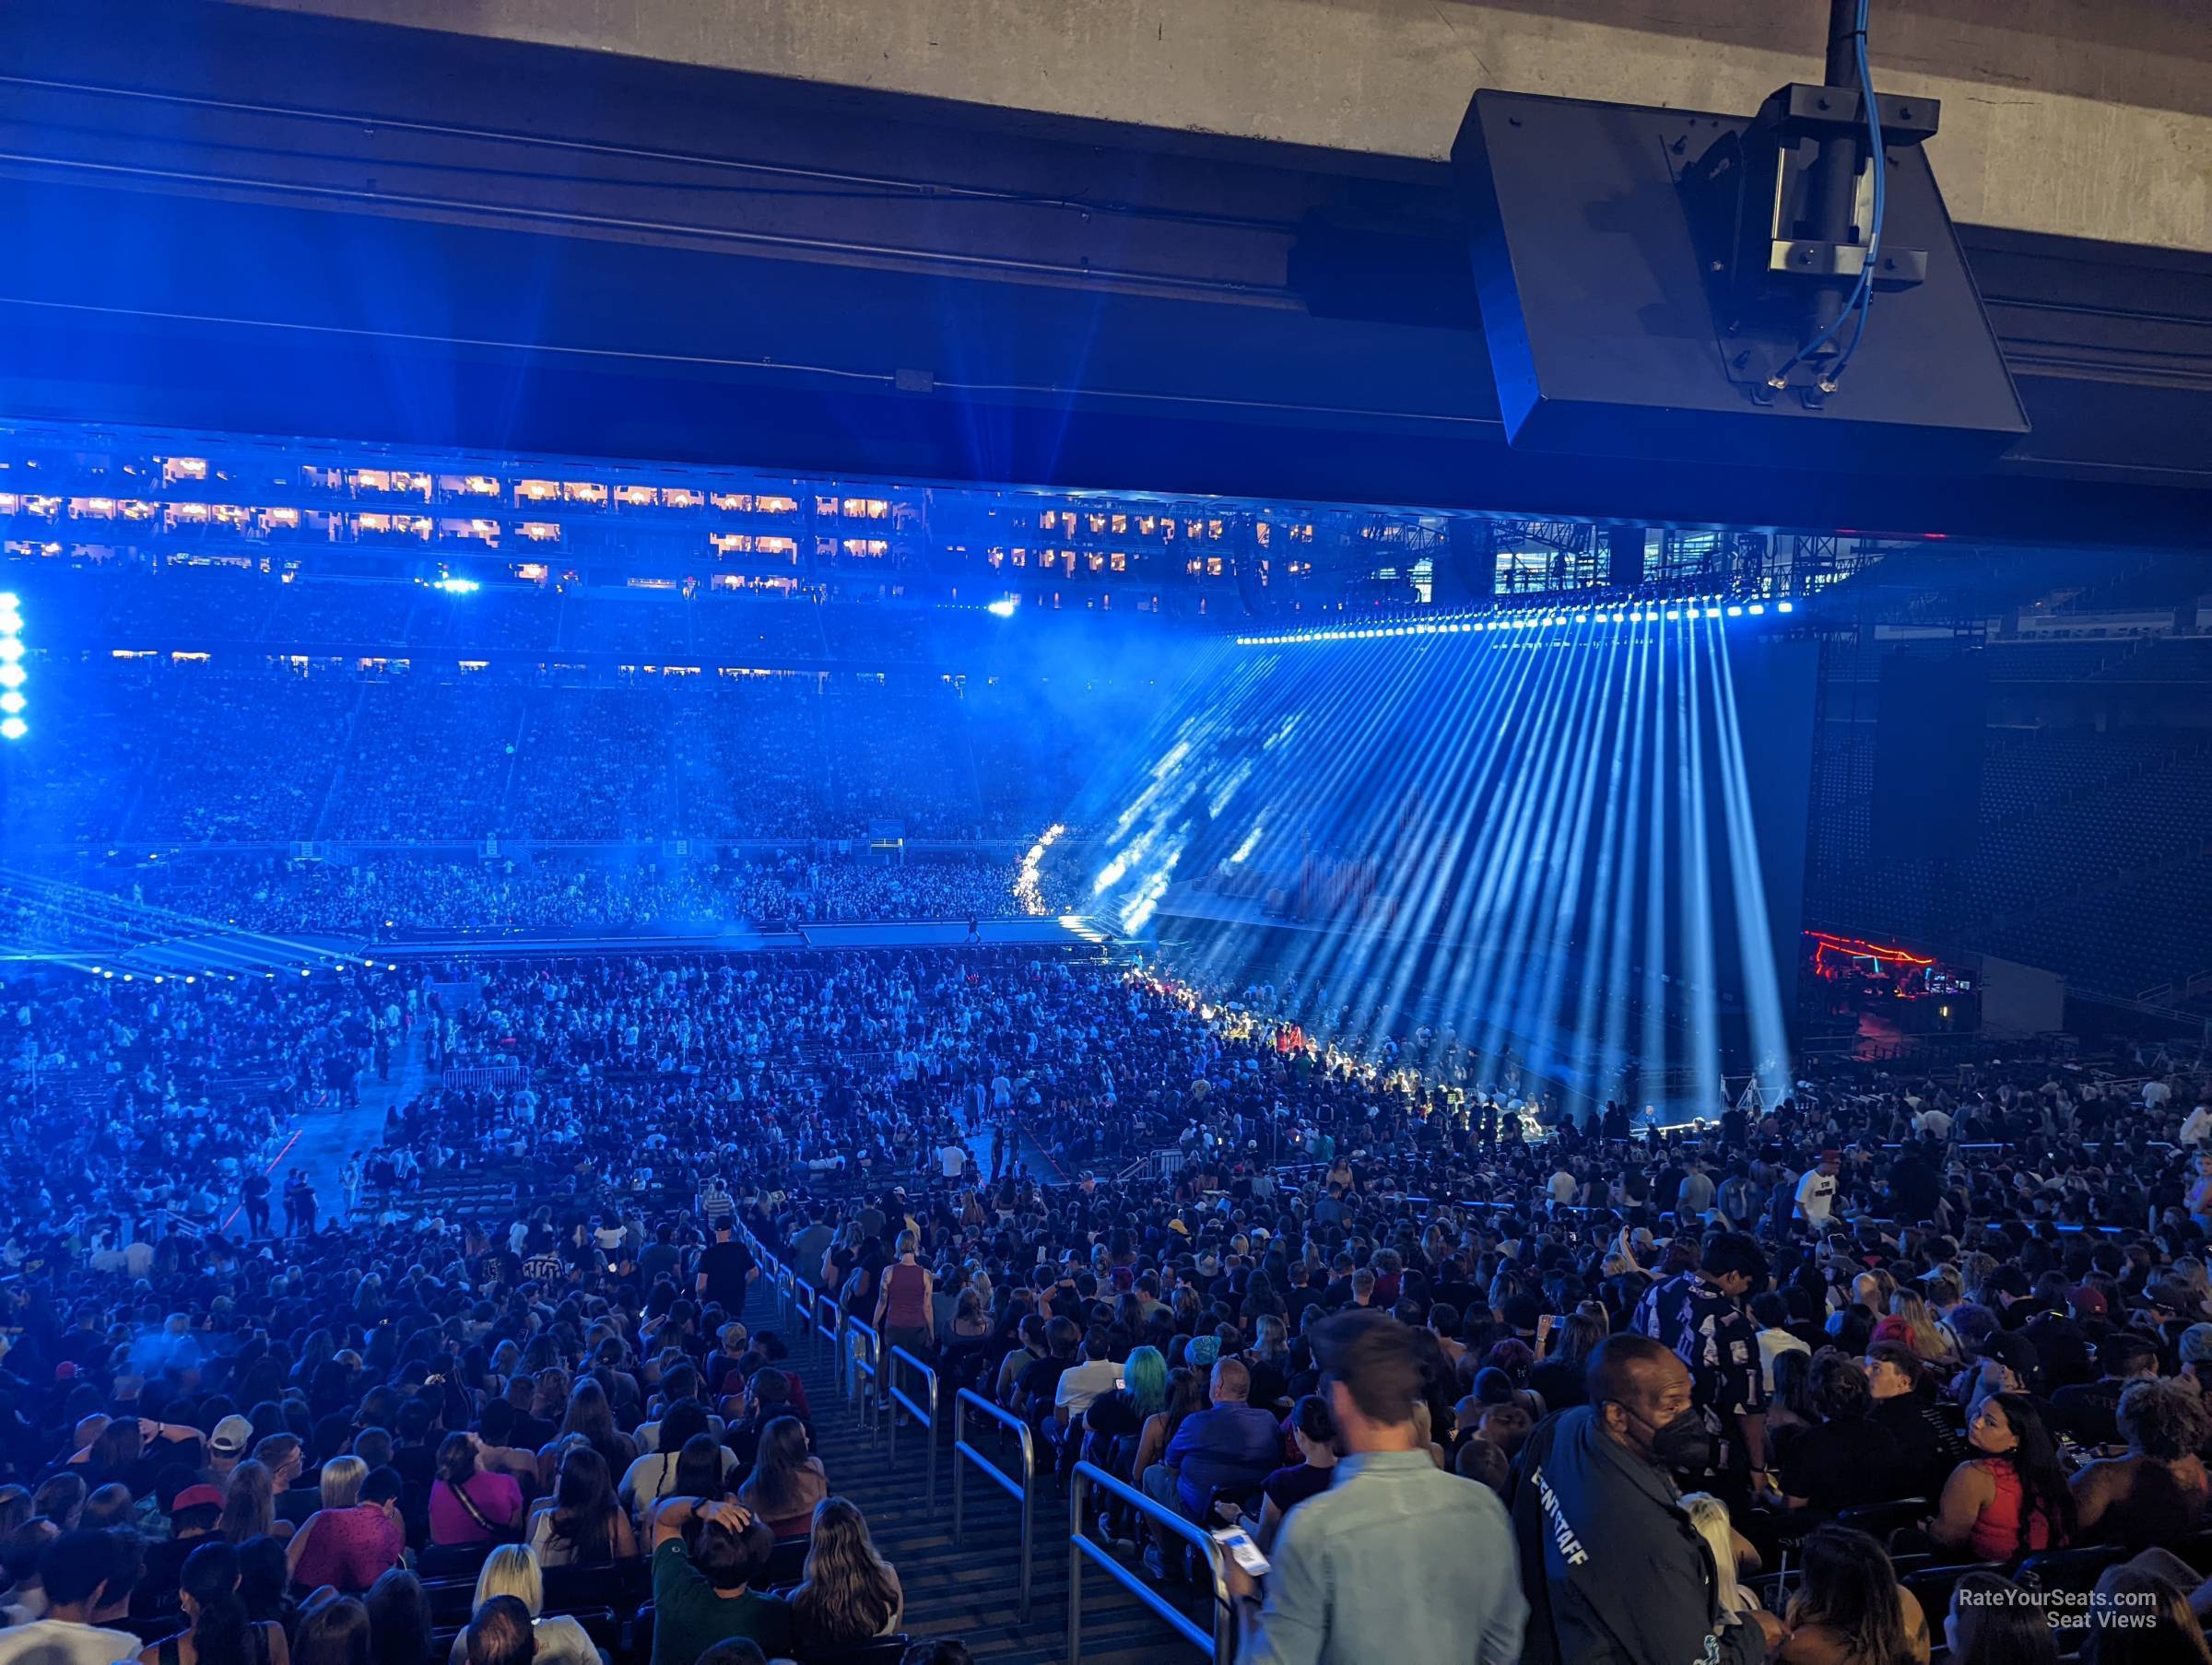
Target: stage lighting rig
pixel 1669 284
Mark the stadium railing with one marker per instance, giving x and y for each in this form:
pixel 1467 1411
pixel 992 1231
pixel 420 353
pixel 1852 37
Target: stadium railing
pixel 1220 1643
pixel 1022 1491
pixel 925 1416
pixel 861 1352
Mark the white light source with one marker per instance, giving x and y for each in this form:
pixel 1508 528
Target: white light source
pixel 11 702
pixel 1001 608
pixel 13 728
pixel 1785 607
pixel 1735 612
pixel 1757 609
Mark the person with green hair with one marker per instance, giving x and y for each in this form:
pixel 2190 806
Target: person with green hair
pixel 1141 1389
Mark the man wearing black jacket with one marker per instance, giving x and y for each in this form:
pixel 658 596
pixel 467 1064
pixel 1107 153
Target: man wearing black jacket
pixel 1613 1572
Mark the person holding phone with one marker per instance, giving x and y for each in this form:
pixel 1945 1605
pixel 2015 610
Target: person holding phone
pixel 1395 1548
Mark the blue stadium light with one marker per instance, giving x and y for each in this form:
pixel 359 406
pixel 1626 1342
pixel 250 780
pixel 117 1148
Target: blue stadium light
pixel 1001 608
pixel 12 674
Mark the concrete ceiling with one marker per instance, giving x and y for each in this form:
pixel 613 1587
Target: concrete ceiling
pixel 2076 118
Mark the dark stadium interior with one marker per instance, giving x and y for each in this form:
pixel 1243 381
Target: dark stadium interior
pixel 751 756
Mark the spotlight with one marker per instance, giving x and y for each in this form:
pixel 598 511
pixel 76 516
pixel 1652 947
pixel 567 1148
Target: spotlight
pixel 1673 614
pixel 13 728
pixel 1001 608
pixel 11 676
pixel 458 586
pixel 1785 607
pixel 11 650
pixel 1712 613
pixel 1735 612
pixel 1756 609
pixel 11 702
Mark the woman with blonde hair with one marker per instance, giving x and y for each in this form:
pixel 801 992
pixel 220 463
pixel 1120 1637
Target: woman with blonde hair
pixel 356 1537
pixel 850 1593
pixel 1709 1516
pixel 1921 1333
pixel 512 1570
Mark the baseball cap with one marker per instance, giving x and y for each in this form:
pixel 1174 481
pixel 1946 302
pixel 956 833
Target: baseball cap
pixel 2196 1344
pixel 231 1435
pixel 2086 1298
pixel 2011 1348
pixel 196 1497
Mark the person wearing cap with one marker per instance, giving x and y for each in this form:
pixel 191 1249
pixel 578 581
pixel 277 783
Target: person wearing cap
pixel 227 1448
pixel 2066 1341
pixel 194 1513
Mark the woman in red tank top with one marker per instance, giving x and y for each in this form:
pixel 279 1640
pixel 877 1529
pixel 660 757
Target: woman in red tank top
pixel 2010 1498
pixel 903 1311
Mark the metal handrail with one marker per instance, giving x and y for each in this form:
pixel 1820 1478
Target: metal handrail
pixel 1022 1491
pixel 861 1351
pixel 818 1304
pixel 1221 1644
pixel 927 1418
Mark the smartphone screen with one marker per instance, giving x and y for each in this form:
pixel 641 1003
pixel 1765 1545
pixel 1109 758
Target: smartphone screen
pixel 1239 1543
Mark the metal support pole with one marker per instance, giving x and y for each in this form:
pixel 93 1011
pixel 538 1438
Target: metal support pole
pixel 1833 189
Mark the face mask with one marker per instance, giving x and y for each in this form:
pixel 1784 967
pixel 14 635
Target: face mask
pixel 1683 1443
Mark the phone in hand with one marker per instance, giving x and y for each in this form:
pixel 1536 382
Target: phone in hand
pixel 1242 1550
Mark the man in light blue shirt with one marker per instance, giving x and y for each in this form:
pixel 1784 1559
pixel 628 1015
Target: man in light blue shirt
pixel 1397 1559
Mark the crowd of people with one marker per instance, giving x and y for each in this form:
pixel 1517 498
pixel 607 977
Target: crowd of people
pixel 1930 1345
pixel 266 747
pixel 396 899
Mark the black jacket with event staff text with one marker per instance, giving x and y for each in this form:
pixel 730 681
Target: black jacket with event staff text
pixel 1613 1572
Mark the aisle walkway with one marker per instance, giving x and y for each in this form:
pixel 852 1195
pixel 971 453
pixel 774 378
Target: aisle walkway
pixel 329 1137
pixel 967 1590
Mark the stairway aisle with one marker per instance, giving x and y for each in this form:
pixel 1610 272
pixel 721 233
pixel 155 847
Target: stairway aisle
pixel 969 1592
